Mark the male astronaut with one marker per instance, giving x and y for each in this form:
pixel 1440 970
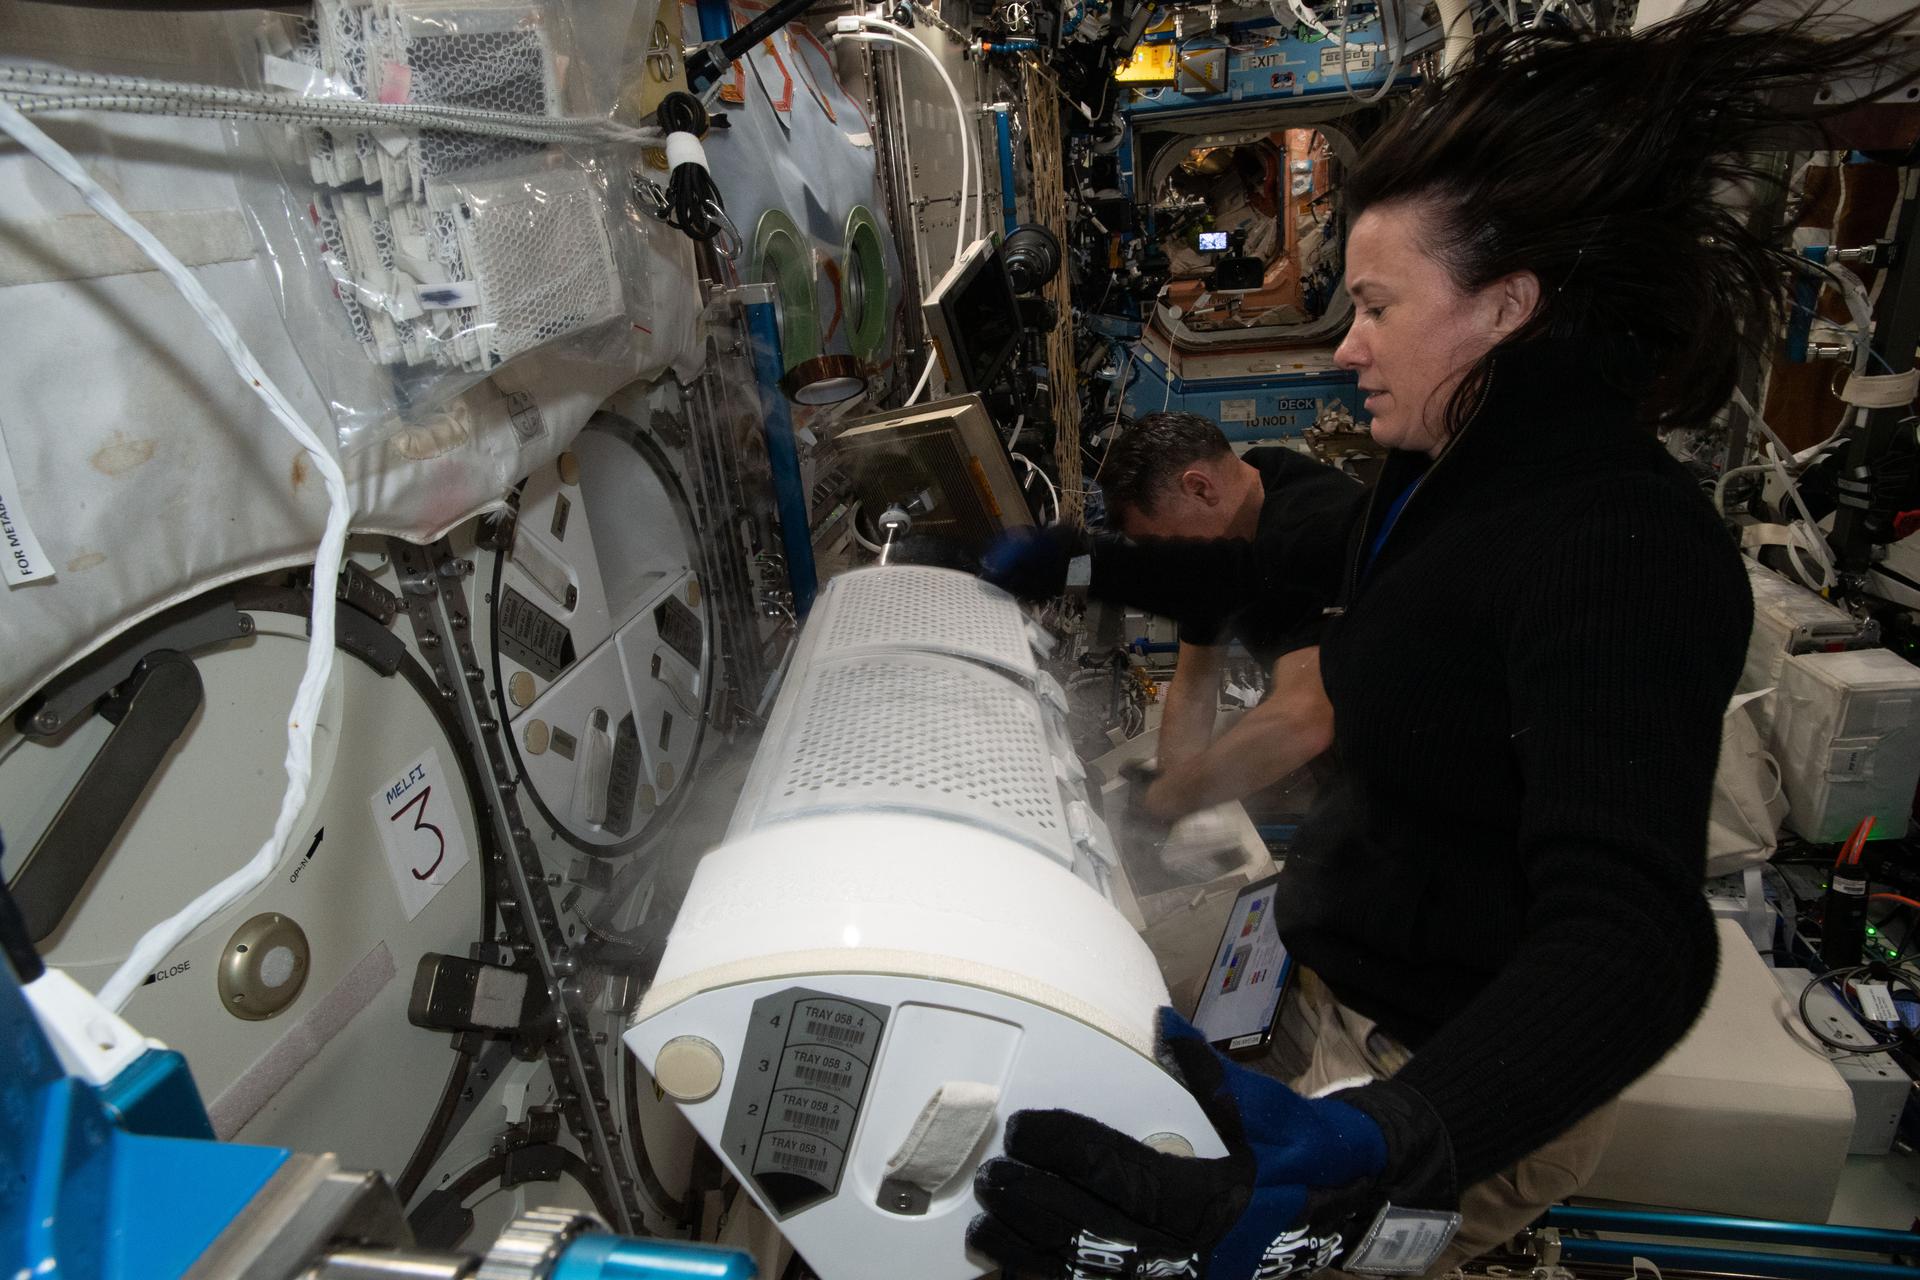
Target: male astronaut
pixel 1173 475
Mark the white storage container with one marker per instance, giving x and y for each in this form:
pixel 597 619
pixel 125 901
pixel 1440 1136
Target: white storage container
pixel 1787 619
pixel 912 922
pixel 1847 741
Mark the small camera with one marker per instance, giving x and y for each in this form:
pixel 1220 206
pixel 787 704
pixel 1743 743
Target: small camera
pixel 1238 272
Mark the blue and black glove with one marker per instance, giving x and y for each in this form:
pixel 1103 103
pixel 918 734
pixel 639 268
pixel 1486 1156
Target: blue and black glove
pixel 1305 1184
pixel 1031 561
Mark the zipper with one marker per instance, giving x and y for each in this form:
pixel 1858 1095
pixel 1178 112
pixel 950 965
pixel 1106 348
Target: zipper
pixel 1366 523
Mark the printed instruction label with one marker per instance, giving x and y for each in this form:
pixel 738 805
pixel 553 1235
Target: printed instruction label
pixel 20 551
pixel 419 821
pixel 1239 410
pixel 1403 1242
pixel 1359 58
pixel 523 411
pixel 1876 1001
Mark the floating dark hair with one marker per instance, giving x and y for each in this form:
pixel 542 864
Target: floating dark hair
pixel 1150 455
pixel 1603 164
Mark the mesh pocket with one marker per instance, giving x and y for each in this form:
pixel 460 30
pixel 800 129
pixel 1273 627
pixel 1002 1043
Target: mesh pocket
pixel 493 70
pixel 332 246
pixel 537 248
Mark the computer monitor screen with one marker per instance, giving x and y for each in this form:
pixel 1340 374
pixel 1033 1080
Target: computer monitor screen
pixel 943 463
pixel 974 318
pixel 1213 242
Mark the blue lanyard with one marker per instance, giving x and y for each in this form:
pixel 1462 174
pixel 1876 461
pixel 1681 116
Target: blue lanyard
pixel 1386 525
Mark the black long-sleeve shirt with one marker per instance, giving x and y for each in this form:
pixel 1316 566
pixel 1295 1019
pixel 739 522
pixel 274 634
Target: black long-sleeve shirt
pixel 1528 683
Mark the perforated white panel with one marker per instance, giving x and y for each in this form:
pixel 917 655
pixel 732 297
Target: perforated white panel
pixel 932 610
pixel 914 733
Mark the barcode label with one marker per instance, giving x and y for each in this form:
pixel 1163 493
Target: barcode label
pixel 812 1166
pixel 822 1077
pixel 839 1035
pixel 808 1120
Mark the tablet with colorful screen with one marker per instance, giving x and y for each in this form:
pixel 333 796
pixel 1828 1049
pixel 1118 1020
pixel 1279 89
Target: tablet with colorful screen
pixel 1240 1004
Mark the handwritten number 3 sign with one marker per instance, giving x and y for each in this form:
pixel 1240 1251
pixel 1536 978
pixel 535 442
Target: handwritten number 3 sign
pixel 423 855
pixel 420 823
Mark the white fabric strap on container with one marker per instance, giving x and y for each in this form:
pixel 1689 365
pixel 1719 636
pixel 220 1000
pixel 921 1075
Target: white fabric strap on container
pixel 1881 391
pixel 944 1135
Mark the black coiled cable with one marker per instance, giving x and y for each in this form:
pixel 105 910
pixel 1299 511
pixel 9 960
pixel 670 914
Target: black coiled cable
pixel 693 202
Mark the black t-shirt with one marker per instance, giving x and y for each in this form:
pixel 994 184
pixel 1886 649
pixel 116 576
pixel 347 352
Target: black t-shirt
pixel 1306 502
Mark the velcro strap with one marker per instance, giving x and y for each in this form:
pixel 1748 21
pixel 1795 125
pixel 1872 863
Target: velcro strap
pixel 1881 391
pixel 684 148
pixel 944 1134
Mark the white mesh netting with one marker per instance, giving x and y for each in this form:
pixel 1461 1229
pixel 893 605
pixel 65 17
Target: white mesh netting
pixel 448 249
pixel 496 58
pixel 539 254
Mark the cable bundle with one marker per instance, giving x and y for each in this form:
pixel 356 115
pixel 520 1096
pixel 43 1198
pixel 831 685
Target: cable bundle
pixel 36 90
pixel 693 202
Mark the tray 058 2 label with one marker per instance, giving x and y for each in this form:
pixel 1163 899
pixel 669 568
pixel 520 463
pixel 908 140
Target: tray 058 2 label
pixel 796 1098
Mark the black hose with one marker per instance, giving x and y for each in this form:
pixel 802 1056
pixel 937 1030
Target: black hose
pixel 433 1219
pixel 707 64
pixel 680 1211
pixel 693 202
pixel 762 27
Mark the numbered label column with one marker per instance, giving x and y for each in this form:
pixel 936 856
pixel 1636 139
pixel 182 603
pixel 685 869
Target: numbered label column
pixel 796 1099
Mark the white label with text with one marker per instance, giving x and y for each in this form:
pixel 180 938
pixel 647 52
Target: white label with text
pixel 1876 1001
pixel 20 552
pixel 1359 58
pixel 419 819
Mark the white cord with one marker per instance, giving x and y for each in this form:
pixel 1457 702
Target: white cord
pixel 37 89
pixel 966 152
pixel 1053 492
pixel 969 139
pixel 1119 407
pixel 853 527
pixel 1388 18
pixel 162 938
pixel 1309 19
pixel 1726 478
pixel 1816 542
pixel 1807 455
pixel 926 376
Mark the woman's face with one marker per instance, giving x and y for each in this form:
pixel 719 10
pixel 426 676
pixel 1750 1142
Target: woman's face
pixel 1415 333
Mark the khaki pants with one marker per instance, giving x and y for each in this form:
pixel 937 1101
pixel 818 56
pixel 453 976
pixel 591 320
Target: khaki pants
pixel 1322 1043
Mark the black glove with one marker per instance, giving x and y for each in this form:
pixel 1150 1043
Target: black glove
pixel 1030 561
pixel 1303 1181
